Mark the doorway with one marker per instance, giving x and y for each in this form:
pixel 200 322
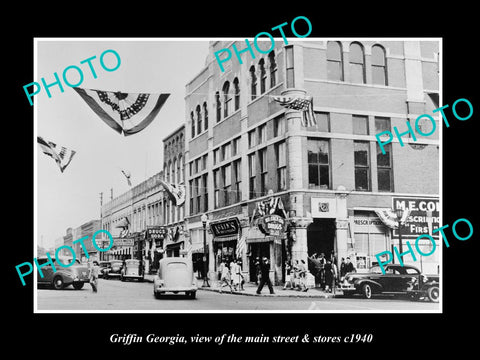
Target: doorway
pixel 321 237
pixel 257 250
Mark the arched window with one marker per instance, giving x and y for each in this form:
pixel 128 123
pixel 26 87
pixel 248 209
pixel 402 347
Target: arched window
pixel 226 98
pixel 273 68
pixel 181 173
pixel 174 167
pixel 379 68
pixel 334 61
pixel 237 93
pixel 199 119
pixel 205 115
pixel 263 76
pixel 253 83
pixel 219 106
pixel 192 119
pixel 169 172
pixel 357 63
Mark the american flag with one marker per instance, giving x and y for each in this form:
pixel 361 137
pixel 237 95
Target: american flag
pixel 175 192
pixel 60 154
pixel 304 104
pixel 127 175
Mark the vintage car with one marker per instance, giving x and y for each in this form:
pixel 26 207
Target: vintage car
pixel 406 280
pixel 75 275
pixel 132 269
pixel 114 269
pixel 175 274
pixel 103 266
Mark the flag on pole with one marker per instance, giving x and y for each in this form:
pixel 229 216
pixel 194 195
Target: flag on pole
pixel 304 104
pixel 127 175
pixel 127 113
pixel 60 154
pixel 175 192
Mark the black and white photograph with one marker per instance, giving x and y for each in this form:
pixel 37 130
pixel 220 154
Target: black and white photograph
pixel 263 182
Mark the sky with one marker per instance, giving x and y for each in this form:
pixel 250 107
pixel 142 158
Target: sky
pixel 72 198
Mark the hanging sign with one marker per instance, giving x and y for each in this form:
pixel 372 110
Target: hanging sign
pixel 271 225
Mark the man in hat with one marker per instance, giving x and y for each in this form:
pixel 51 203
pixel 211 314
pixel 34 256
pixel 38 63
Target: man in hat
pixel 265 272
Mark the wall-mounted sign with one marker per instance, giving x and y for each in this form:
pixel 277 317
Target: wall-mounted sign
pixel 417 222
pixel 271 225
pixel 225 227
pixel 324 207
pixel 123 241
pixel 156 232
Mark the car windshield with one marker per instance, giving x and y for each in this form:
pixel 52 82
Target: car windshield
pixel 376 270
pixel 67 261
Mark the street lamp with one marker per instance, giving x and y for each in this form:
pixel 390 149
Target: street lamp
pixel 204 219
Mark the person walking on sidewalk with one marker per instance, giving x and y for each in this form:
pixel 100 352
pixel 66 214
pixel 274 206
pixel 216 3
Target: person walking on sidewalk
pixel 288 275
pixel 93 269
pixel 225 278
pixel 302 276
pixel 235 271
pixel 265 279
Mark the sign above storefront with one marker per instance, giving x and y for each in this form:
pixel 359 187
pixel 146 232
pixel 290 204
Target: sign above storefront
pixel 227 227
pixel 422 211
pixel 324 207
pixel 156 232
pixel 123 241
pixel 271 225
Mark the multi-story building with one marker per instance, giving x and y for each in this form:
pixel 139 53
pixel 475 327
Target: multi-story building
pixel 331 177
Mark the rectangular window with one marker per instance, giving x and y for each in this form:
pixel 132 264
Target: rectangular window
pixel 318 163
pixel 192 210
pixel 216 184
pixel 216 159
pixel 235 146
pixel 290 67
pixel 226 151
pixel 384 168
pixel 198 193
pixel 382 124
pixel 227 182
pixel 262 157
pixel 190 165
pixel 252 140
pixel 362 165
pixel 197 165
pixel 251 175
pixel 279 126
pixel 262 134
pixel 205 191
pixel 360 124
pixel 204 162
pixel 281 154
pixel 237 178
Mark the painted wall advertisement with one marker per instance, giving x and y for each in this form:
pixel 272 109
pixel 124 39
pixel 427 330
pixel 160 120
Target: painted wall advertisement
pixel 422 211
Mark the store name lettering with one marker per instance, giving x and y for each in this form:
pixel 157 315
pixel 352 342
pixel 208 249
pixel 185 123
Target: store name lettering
pixel 50 261
pixel 380 256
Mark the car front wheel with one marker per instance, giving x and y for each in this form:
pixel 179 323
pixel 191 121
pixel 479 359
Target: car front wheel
pixel 433 293
pixel 78 286
pixel 367 291
pixel 58 283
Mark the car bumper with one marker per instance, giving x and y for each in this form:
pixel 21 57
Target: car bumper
pixel 347 287
pixel 163 289
pixel 133 276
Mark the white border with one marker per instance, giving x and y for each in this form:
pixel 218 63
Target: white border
pixel 373 311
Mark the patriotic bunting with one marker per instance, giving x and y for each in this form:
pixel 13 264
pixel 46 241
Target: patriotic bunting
pixel 273 205
pixel 60 154
pixel 390 219
pixel 126 113
pixel 304 104
pixel 175 192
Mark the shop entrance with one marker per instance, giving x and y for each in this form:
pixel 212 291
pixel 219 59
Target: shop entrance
pixel 321 237
pixel 257 252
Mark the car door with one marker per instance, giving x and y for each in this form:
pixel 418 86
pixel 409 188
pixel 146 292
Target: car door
pixel 387 281
pixel 46 270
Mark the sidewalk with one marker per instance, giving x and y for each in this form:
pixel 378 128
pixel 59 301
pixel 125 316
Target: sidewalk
pixel 250 289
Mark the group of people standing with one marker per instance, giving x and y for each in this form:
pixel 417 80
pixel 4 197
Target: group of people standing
pixel 326 272
pixel 230 274
pixel 296 275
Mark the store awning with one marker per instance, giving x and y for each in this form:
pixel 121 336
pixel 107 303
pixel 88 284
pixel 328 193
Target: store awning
pixel 225 238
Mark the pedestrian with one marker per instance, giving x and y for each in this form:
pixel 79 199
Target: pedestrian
pixel 349 267
pixel 294 273
pixel 265 276
pixel 258 271
pixel 343 270
pixel 240 268
pixel 302 276
pixel 220 269
pixel 322 261
pixel 226 278
pixel 235 271
pixel 328 276
pixel 93 275
pixel 288 275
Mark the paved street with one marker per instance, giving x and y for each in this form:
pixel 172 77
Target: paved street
pixel 116 295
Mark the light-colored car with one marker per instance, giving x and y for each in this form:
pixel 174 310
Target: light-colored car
pixel 132 269
pixel 175 274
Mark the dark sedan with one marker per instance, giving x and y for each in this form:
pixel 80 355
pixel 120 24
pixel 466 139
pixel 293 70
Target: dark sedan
pixel 60 277
pixel 404 280
pixel 114 269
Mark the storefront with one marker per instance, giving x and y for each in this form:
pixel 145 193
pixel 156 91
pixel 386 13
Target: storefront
pixel 225 234
pixel 122 248
pixel 174 242
pixel 154 238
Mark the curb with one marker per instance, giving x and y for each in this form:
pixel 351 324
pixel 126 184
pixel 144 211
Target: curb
pixel 304 295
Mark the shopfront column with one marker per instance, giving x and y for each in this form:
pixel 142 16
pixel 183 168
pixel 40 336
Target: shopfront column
pixel 300 244
pixel 341 224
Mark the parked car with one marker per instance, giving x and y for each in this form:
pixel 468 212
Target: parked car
pixel 103 265
pixel 75 275
pixel 175 274
pixel 114 269
pixel 406 280
pixel 132 269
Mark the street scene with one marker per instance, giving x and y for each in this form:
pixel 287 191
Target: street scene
pixel 170 183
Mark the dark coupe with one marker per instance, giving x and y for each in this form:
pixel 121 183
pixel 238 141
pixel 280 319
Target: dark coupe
pixel 404 280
